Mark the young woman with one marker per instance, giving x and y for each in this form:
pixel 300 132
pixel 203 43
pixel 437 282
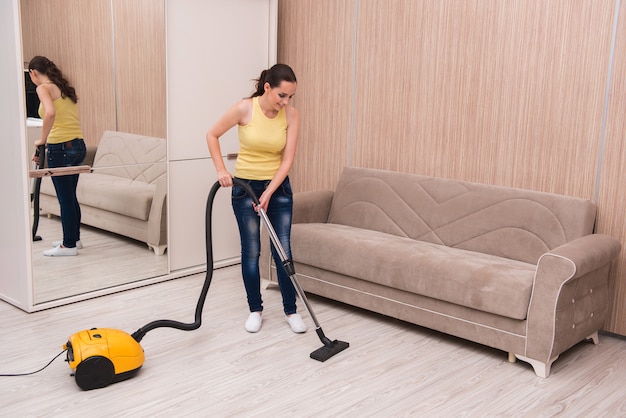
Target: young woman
pixel 268 133
pixel 63 138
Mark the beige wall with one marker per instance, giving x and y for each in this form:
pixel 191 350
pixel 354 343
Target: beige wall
pixel 112 52
pixel 506 92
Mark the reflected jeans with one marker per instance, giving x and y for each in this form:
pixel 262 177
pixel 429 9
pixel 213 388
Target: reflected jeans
pixel 67 154
pixel 279 212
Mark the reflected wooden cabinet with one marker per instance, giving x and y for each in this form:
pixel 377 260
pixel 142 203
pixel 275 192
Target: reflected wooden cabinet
pixel 214 49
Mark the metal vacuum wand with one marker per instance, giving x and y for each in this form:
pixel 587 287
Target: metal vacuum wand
pixel 330 348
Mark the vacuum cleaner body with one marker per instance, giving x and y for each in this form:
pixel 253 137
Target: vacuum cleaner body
pixel 100 356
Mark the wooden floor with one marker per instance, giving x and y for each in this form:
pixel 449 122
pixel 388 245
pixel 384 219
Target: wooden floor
pixel 392 369
pixel 107 260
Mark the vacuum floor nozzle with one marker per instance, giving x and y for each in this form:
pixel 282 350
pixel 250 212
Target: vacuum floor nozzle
pixel 327 351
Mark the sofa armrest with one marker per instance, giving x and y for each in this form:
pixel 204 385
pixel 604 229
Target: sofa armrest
pixel 569 301
pixel 590 252
pixel 312 206
pixel 157 231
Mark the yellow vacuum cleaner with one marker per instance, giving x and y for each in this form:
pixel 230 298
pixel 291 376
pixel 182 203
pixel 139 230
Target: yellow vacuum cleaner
pixel 101 356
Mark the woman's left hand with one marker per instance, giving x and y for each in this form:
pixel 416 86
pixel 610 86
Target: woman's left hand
pixel 264 201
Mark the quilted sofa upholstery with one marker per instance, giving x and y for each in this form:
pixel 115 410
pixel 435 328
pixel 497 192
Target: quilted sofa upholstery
pixel 126 191
pixel 513 269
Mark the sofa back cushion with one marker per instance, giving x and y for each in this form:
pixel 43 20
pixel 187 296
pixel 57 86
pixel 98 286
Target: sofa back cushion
pixel 131 156
pixel 513 223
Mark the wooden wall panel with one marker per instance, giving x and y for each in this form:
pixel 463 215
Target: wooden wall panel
pixel 612 196
pixel 501 92
pixel 140 66
pixel 120 80
pixel 77 36
pixel 316 38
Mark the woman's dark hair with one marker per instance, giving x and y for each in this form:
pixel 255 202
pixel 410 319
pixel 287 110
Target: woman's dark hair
pixel 274 76
pixel 46 67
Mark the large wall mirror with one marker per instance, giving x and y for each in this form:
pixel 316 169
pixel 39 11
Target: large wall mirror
pixel 113 53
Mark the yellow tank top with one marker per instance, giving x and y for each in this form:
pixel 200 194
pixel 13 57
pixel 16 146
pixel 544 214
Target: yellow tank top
pixel 66 122
pixel 261 144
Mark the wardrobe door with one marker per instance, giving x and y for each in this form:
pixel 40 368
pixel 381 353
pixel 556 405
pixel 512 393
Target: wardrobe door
pixel 215 50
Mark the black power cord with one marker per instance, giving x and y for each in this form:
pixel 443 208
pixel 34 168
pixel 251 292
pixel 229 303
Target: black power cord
pixel 37 371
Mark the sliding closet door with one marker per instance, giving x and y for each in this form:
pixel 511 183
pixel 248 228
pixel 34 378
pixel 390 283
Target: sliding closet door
pixel 214 51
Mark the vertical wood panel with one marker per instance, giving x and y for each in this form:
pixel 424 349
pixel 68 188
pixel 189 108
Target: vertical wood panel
pixel 140 66
pixel 508 93
pixel 612 197
pixel 77 36
pixel 316 38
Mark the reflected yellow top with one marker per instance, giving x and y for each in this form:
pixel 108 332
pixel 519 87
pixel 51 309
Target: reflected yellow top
pixel 261 144
pixel 66 122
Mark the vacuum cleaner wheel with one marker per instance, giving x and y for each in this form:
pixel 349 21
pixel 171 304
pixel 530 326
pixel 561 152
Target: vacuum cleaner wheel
pixel 94 373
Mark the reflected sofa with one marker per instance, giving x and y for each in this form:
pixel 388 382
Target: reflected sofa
pixel 126 191
pixel 517 270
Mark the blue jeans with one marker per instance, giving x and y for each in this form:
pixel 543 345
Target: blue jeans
pixel 279 212
pixel 67 154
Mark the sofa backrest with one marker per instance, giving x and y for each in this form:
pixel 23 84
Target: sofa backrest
pixel 507 222
pixel 131 156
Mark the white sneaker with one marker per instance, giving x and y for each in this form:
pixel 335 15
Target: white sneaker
pixel 296 323
pixel 59 251
pixel 253 324
pixel 79 244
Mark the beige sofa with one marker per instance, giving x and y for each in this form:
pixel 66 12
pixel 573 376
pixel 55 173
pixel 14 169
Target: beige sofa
pixel 517 270
pixel 126 191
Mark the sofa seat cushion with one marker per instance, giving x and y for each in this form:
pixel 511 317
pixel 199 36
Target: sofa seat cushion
pixel 120 195
pixel 475 280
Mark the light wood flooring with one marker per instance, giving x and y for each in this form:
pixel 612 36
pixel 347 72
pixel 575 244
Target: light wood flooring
pixel 107 260
pixel 392 369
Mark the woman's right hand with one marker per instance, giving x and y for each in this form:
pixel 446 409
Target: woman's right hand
pixel 36 155
pixel 225 178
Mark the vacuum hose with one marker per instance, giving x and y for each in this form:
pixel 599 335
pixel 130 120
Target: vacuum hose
pixel 141 332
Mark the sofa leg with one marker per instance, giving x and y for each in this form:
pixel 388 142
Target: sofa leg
pixel 266 284
pixel 158 249
pixel 541 369
pixel 512 358
pixel 594 338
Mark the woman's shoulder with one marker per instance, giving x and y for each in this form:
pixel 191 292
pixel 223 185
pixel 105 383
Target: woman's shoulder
pixel 243 108
pixel 291 113
pixel 244 105
pixel 49 89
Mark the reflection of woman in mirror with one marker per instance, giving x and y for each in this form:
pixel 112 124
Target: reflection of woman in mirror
pixel 268 132
pixel 63 138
